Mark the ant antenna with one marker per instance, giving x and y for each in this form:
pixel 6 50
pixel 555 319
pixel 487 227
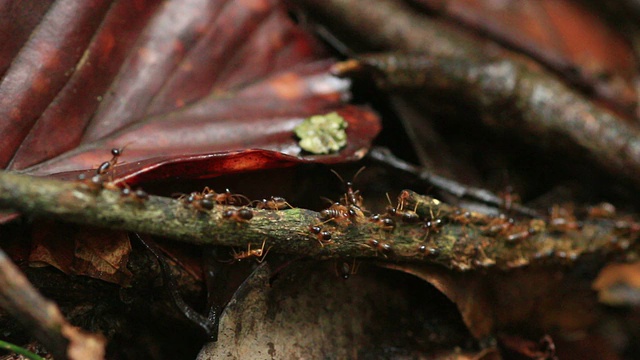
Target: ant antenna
pixel 357 173
pixel 348 183
pixel 338 175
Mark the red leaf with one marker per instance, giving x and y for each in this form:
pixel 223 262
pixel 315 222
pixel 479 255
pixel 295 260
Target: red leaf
pixel 189 89
pixel 563 35
pixel 169 81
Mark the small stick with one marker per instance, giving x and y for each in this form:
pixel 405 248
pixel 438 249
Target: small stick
pixel 42 317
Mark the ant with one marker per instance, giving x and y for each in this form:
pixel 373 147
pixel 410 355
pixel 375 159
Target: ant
pixel 225 198
pixel 462 218
pixel 94 183
pixel 380 246
pixel 138 195
pixel 523 232
pixel 408 216
pixel 562 219
pixel 339 212
pixel 411 216
pixel 626 227
pixel 198 201
pixel 351 197
pixel 520 235
pixel 432 224
pixel 274 203
pixel 260 254
pixel 105 166
pixel 323 237
pixel 498 225
pixel 602 211
pixel 345 270
pixel 402 198
pixel 385 223
pixel 240 215
pixel 97 181
pixel 432 252
pixel 509 198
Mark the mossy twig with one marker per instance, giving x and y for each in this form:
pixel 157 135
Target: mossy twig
pixel 454 239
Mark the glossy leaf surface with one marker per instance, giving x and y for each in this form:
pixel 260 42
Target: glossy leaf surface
pixel 167 81
pixel 187 89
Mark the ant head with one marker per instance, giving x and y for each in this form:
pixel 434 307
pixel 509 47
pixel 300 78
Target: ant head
pixel 348 183
pixel 118 151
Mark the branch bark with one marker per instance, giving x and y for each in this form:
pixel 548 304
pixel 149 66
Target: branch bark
pixel 442 234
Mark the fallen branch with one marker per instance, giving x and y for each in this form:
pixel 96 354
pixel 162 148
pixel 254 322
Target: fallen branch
pixel 439 233
pixel 43 318
pixel 383 155
pixel 506 89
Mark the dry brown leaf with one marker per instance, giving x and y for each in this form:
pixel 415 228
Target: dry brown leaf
pixel 82 250
pixel 531 299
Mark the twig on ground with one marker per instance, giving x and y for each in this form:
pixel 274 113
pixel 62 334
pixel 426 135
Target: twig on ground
pixel 43 318
pixel 507 90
